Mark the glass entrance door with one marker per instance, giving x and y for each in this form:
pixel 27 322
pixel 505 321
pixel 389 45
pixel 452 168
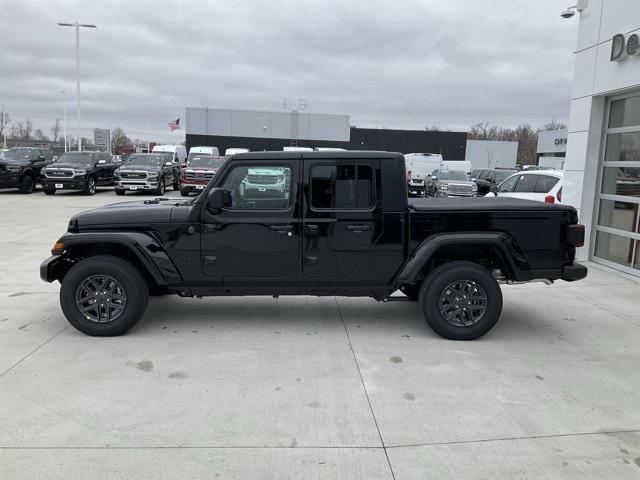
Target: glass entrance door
pixel 617 230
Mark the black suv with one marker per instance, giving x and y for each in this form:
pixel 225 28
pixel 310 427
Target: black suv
pixel 79 171
pixel 150 172
pixel 486 178
pixel 21 168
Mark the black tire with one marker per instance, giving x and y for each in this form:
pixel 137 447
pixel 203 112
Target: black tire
pixel 437 295
pixel 176 185
pixel 161 187
pixel 90 187
pixel 49 191
pixel 184 192
pixel 131 281
pixel 27 184
pixel 119 191
pixel 412 292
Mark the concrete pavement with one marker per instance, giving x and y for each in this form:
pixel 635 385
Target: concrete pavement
pixel 306 387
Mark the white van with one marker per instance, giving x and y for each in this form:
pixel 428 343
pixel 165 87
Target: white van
pixel 201 152
pixel 179 152
pixel 463 165
pixel 233 151
pixel 419 168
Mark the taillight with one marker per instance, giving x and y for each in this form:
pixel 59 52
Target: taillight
pixel 549 199
pixel 559 195
pixel 575 235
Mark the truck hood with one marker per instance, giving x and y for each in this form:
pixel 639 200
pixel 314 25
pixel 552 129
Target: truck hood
pixel 140 212
pixel 139 168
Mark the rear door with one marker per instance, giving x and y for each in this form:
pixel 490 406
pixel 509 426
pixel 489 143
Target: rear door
pixel 342 215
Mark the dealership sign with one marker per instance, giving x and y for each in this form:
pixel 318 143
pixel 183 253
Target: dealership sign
pixel 622 47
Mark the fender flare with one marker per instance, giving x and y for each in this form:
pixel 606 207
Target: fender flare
pixel 503 244
pixel 147 249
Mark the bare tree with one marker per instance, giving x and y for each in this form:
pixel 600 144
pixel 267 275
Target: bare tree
pixel 22 130
pixel 119 141
pixel 527 139
pixel 5 119
pixel 38 134
pixel 483 131
pixel 433 128
pixel 55 130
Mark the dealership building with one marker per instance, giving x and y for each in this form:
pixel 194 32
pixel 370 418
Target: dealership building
pixel 602 167
pixel 262 130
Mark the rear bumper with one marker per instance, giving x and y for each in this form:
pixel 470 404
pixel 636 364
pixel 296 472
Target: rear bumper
pixel 49 267
pixel 573 272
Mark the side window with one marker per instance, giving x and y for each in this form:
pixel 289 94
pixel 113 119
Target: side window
pixel 482 174
pixel 508 184
pixel 260 187
pixel 545 183
pixel 348 187
pixel 526 184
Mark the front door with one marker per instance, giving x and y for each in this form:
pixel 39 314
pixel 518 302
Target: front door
pixel 342 217
pixel 256 238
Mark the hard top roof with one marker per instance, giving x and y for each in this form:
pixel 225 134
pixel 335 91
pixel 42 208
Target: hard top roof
pixel 335 154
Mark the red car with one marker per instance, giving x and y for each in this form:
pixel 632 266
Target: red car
pixel 196 175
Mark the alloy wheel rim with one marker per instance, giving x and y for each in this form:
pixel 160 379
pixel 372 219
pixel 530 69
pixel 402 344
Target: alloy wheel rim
pixel 100 298
pixel 463 303
pixel 92 185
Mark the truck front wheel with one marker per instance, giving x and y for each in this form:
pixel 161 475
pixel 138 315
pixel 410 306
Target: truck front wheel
pixel 461 300
pixel 104 296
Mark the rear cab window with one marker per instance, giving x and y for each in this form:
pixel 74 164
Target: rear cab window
pixel 342 187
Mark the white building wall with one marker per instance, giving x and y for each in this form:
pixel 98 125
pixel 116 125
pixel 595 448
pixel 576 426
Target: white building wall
pixel 596 78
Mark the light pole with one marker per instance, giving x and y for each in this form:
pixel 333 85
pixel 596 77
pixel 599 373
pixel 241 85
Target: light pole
pixel 77 27
pixel 64 121
pixel 4 125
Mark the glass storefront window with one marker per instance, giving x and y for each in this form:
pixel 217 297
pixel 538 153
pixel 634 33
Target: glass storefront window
pixel 620 215
pixel 623 147
pixel 625 112
pixel 621 181
pixel 614 248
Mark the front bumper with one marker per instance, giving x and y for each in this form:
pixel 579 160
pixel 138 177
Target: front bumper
pixel 192 185
pixel 444 193
pixel 136 185
pixel 573 272
pixel 10 179
pixel 65 184
pixel 50 268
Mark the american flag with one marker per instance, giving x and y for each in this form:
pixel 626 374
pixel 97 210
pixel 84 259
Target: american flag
pixel 175 125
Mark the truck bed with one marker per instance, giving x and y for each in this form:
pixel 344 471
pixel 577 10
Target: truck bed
pixel 481 204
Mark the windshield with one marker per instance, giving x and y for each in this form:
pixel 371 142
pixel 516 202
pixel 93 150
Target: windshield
pixel 148 160
pixel 503 174
pixel 17 155
pixel 453 175
pixel 206 162
pixel 77 158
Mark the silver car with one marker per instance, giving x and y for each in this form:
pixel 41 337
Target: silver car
pixel 451 183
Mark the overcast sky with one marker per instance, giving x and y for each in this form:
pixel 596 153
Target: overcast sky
pixel 394 64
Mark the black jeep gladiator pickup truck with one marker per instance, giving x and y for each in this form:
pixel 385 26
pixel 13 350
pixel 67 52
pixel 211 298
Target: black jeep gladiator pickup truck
pixel 312 223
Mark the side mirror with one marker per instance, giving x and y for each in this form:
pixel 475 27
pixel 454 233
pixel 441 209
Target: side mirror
pixel 101 162
pixel 494 189
pixel 219 198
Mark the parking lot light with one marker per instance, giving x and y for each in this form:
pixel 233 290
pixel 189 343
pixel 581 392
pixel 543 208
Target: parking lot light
pixel 77 26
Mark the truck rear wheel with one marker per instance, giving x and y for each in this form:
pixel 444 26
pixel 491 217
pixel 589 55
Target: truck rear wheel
pixel 104 296
pixel 461 300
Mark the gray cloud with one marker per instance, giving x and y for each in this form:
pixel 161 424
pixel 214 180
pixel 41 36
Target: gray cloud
pixel 394 64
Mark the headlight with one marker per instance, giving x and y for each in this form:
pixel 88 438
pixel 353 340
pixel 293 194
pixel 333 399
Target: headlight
pixel 474 188
pixel 444 186
pixel 79 172
pixel 14 168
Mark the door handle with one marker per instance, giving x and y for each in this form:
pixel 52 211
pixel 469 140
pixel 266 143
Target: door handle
pixel 281 228
pixel 358 228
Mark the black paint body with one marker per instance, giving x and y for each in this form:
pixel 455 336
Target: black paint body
pixel 193 250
